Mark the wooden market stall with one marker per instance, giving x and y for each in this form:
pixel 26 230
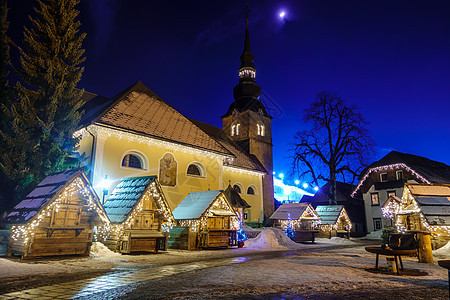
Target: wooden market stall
pixel 301 217
pixel 206 219
pixel 426 208
pixel 140 216
pixel 56 218
pixel 334 221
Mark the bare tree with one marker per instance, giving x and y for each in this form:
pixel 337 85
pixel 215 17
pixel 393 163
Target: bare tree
pixel 335 145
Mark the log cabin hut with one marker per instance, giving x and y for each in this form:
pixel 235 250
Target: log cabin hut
pixel 56 218
pixel 209 219
pixel 334 221
pixel 301 216
pixel 140 216
pixel 426 207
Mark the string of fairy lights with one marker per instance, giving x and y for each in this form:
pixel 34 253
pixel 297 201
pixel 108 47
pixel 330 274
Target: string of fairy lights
pixel 409 206
pixel 116 231
pixel 342 221
pixel 129 136
pixel 389 167
pixel 201 223
pixel 76 187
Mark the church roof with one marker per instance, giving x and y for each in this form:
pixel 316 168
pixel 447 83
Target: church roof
pixel 140 110
pixel 242 159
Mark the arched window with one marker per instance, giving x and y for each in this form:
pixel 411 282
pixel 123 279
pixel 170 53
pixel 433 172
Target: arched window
pixel 251 190
pixel 132 161
pixel 260 129
pixel 235 129
pixel 237 188
pixel 196 169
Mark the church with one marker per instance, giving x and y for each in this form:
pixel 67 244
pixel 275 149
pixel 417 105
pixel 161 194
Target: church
pixel 136 133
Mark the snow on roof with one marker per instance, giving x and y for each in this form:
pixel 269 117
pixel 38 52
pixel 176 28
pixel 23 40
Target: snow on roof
pixel 429 189
pixel 140 110
pixel 125 196
pixel 39 197
pixel 433 201
pixel 290 211
pixel 329 213
pixel 195 204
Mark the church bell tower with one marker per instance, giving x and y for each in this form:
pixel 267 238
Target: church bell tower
pixel 248 123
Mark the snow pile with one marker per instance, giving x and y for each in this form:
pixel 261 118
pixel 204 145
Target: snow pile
pixel 443 251
pixel 14 268
pixel 271 238
pixel 374 235
pixel 100 250
pixel 336 241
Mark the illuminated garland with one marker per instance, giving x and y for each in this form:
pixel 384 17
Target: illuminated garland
pixel 342 215
pixel 202 223
pixel 389 167
pixel 408 200
pixel 154 192
pixel 297 223
pixel 132 137
pixel 390 210
pixel 242 171
pixel 77 186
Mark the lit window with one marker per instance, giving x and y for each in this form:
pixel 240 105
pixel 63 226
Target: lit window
pixel 399 174
pixel 260 128
pixel 391 193
pixel 235 129
pixel 237 188
pixel 383 177
pixel 374 199
pixel 132 161
pixel 196 170
pixel 250 190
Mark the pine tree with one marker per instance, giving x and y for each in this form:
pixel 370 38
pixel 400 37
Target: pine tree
pixel 48 106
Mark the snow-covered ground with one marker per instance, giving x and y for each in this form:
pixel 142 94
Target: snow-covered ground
pixel 101 258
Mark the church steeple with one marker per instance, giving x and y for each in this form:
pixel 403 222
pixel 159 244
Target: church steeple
pixel 248 124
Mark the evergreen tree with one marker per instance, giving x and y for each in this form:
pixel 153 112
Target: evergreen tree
pixel 48 106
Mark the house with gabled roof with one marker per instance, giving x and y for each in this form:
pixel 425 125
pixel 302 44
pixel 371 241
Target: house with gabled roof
pixel 209 218
pixel 137 133
pixel 56 218
pixel 425 207
pixel 387 177
pixel 140 216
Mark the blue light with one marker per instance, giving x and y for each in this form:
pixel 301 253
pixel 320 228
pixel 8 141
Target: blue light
pixel 281 175
pixel 297 182
pixel 282 14
pixel 305 185
pixel 316 188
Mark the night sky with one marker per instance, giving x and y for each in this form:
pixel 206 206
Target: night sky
pixel 391 58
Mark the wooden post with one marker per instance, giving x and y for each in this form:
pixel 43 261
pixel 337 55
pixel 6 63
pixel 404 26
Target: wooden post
pixel 425 250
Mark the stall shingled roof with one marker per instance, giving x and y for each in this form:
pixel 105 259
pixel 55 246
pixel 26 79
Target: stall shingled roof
pixel 290 211
pixel 46 190
pixel 329 213
pixel 195 204
pixel 126 196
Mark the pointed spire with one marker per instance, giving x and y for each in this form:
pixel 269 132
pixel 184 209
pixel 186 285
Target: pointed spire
pixel 247 56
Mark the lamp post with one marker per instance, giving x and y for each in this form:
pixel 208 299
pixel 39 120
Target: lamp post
pixel 105 185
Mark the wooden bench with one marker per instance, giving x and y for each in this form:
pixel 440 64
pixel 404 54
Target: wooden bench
pixel 399 244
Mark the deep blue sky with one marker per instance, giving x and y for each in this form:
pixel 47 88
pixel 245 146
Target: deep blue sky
pixel 391 58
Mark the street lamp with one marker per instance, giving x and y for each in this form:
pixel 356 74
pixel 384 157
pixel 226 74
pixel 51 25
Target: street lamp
pixel 104 184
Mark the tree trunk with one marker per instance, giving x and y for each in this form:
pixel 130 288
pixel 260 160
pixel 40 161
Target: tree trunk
pixel 332 195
